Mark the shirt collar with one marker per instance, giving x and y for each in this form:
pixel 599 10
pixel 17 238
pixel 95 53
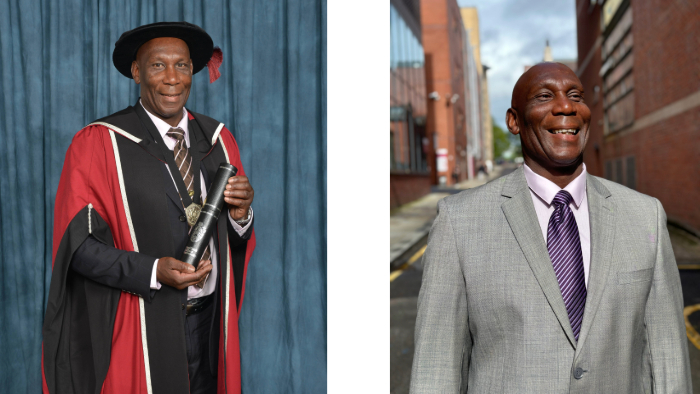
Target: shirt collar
pixel 163 127
pixel 546 190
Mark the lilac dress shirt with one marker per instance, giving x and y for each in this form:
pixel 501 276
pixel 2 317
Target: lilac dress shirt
pixel 542 191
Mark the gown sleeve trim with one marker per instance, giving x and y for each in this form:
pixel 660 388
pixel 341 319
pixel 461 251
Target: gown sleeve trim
pixel 216 134
pixel 118 130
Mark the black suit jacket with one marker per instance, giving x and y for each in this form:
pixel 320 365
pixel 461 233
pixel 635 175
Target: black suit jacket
pixel 131 271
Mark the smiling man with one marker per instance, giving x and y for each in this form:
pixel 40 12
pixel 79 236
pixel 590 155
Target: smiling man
pixel 550 280
pixel 125 315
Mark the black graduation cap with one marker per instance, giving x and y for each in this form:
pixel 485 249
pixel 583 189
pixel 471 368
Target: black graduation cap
pixel 202 51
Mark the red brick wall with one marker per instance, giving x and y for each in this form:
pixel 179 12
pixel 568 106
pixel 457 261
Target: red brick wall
pixel 442 42
pixel 588 25
pixel 666 52
pixel 667 158
pixel 666 69
pixel 408 187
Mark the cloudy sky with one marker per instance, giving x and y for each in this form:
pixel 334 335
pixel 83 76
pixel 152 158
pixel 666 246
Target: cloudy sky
pixel 513 34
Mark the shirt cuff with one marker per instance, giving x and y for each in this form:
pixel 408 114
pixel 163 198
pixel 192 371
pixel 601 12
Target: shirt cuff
pixel 155 285
pixel 241 230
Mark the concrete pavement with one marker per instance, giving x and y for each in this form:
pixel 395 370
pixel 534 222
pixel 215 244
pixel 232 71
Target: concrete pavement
pixel 410 223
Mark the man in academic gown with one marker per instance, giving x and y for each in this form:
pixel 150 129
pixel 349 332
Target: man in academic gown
pixel 124 314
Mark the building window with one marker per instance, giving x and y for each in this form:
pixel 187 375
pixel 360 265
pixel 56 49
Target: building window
pixel 630 174
pixel 392 155
pixel 407 94
pixel 618 172
pixel 617 69
pixel 623 171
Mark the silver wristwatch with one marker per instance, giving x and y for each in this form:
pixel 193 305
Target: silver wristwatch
pixel 243 222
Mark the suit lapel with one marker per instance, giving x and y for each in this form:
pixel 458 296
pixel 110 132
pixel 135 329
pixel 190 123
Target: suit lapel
pixel 171 191
pixel 522 218
pixel 601 213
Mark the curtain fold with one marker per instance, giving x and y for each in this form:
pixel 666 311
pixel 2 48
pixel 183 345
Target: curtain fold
pixel 56 76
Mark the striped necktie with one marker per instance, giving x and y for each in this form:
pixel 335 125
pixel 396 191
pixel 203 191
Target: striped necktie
pixel 183 160
pixel 564 247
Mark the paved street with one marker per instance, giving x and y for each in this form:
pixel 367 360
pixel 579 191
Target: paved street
pixel 404 295
pixel 405 285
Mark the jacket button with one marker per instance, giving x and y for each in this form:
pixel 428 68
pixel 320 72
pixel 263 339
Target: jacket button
pixel 183 307
pixel 183 218
pixel 578 373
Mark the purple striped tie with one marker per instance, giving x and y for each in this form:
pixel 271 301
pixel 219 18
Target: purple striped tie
pixel 564 246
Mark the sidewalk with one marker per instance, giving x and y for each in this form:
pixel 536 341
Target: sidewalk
pixel 410 223
pixel 686 247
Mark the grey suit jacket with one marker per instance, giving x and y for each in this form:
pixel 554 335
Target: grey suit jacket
pixel 491 318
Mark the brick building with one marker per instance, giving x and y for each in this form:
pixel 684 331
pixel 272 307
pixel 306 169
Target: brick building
pixel 640 66
pixel 442 31
pixel 437 96
pixel 410 143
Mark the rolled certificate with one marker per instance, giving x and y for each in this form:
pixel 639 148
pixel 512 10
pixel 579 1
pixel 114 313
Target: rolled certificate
pixel 202 229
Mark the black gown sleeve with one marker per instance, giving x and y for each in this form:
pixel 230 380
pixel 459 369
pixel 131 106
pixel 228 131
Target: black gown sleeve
pixel 107 265
pixel 236 240
pixel 238 250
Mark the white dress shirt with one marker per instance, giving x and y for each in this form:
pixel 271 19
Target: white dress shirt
pixel 543 191
pixel 210 284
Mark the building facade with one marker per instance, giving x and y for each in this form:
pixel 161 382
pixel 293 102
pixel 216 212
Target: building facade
pixel 410 142
pixel 470 19
pixel 442 31
pixel 640 67
pixel 437 98
pixel 472 103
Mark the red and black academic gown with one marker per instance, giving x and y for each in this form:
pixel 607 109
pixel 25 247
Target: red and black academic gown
pixel 101 339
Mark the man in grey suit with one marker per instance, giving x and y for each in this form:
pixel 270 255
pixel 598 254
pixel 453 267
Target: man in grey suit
pixel 550 280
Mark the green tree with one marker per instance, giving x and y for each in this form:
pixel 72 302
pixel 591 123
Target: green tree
pixel 501 140
pixel 515 143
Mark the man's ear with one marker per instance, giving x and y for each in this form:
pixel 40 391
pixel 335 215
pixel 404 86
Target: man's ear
pixel 512 121
pixel 135 72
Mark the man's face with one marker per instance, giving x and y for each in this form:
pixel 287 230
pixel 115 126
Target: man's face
pixel 163 68
pixel 549 114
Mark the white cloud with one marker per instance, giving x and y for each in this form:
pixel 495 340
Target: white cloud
pixel 513 34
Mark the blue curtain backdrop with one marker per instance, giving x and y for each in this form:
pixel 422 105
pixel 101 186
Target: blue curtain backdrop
pixel 56 75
